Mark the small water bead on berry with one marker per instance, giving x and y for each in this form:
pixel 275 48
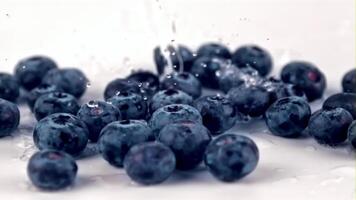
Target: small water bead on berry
pixel 231 157
pixel 118 86
pixel 167 97
pixel 255 57
pixel 188 141
pixel 346 101
pixel 9 117
pixel 352 134
pixel 55 102
pixel 9 87
pixel 149 163
pixel 62 132
pixel 38 91
pixel 149 82
pixel 96 115
pixel 52 170
pixel 305 76
pixel 349 81
pixel 214 50
pixel 288 117
pixel 30 71
pixel 218 113
pixel 185 82
pixel 330 127
pixel 118 137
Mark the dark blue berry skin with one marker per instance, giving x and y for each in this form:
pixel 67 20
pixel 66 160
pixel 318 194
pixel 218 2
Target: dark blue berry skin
pixel 305 76
pixel 188 141
pixel 288 117
pixel 205 69
pixel 52 170
pixel 118 86
pixel 346 101
pixel 131 105
pixel 329 127
pixel 278 89
pixel 349 81
pixel 218 113
pixel 62 132
pixel 214 50
pixel 70 80
pixel 173 113
pixel 149 81
pixel 96 115
pixel 55 102
pixel 352 134
pixel 9 117
pixel 30 71
pixel 255 57
pixel 167 97
pixel 9 87
pixel 231 157
pixel 117 138
pixel 149 163
pixel 38 91
pixel 185 82
pixel 250 100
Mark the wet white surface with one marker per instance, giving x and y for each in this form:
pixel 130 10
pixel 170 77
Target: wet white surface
pixel 107 39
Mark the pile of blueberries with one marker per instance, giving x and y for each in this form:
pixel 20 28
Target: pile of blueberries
pixel 152 125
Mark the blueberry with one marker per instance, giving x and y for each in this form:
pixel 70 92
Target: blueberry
pixel 131 105
pixel 9 88
pixel 188 141
pixel 185 82
pixel 63 132
pixel 167 97
pixel 206 69
pixel 278 89
pixel 330 126
pixel 118 137
pixel 218 113
pixel 70 80
pixel 55 102
pixel 231 157
pixel 214 50
pixel 30 71
pixel 349 81
pixel 305 76
pixel 38 91
pixel 149 163
pixel 352 134
pixel 288 116
pixel 9 117
pixel 255 57
pixel 121 85
pixel 346 101
pixel 52 170
pixel 149 81
pixel 96 115
pixel 250 100
pixel 173 113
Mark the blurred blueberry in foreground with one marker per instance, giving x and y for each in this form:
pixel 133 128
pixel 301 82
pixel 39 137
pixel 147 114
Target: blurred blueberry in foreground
pixel 9 117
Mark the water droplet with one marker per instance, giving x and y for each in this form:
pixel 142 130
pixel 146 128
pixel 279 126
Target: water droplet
pixel 23 67
pixel 88 84
pixel 92 104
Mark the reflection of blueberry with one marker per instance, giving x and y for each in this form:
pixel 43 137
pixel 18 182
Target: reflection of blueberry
pixel 149 163
pixel 70 80
pixel 346 101
pixel 305 76
pixel 131 105
pixel 149 82
pixel 52 170
pixel 349 81
pixel 288 117
pixel 185 82
pixel 188 141
pixel 56 102
pixel 63 132
pixel 206 69
pixel 167 97
pixel 38 91
pixel 9 87
pixel 352 134
pixel 118 137
pixel 121 85
pixel 330 126
pixel 231 157
pixel 9 117
pixel 214 50
pixel 253 56
pixel 218 113
pixel 96 115
pixel 30 71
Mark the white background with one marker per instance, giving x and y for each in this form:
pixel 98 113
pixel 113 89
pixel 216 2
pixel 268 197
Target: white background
pixel 107 39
